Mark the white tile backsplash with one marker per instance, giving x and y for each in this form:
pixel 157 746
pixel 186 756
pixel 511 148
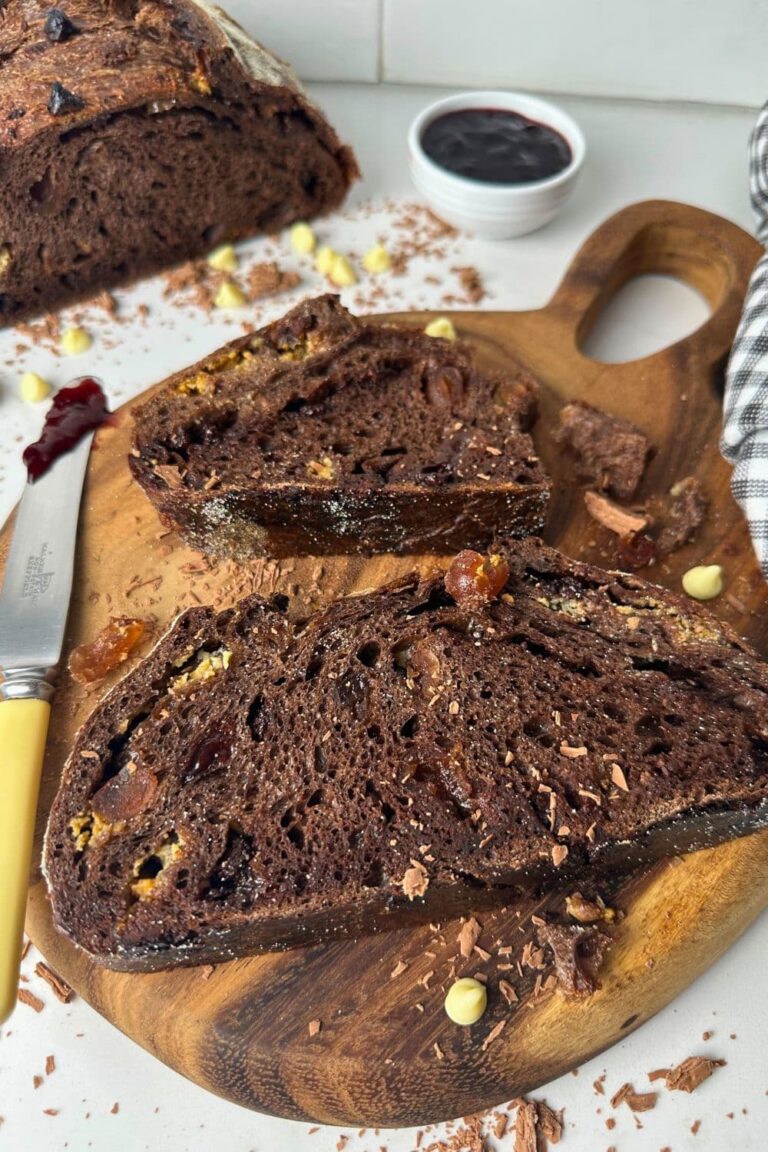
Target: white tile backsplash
pixel 700 50
pixel 332 40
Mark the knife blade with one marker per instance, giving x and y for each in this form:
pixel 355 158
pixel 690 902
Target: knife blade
pixel 34 604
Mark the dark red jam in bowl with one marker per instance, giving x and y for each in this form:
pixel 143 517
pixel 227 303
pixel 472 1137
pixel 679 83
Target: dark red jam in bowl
pixel 495 146
pixel 74 412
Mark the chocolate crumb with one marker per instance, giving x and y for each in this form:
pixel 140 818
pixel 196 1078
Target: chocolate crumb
pixel 50 1065
pixel 682 515
pixel 58 26
pixel 578 953
pixel 269 278
pixel 115 1108
pixel 471 284
pixel 61 101
pixel 37 1081
pixel 610 452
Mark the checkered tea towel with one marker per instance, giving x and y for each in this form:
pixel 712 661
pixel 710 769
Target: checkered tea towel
pixel 744 441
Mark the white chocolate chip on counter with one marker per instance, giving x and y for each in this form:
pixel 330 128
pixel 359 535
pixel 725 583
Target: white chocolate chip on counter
pixel 324 259
pixel 377 260
pixel 33 388
pixel 466 1001
pixel 704 582
pixel 224 259
pixel 230 295
pixel 441 327
pixel 303 239
pixel 342 274
pixel 75 341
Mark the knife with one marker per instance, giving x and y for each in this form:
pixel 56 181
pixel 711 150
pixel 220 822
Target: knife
pixel 33 613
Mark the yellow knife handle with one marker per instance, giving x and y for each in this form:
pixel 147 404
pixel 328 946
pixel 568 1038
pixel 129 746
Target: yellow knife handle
pixel 23 729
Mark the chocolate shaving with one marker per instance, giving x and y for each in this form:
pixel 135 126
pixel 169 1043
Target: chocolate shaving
pixel 526 1123
pixel 508 992
pixel 536 1125
pixel 637 1101
pixel 494 1033
pixel 61 989
pixel 27 997
pixel 415 881
pixel 687 1076
pixel 468 936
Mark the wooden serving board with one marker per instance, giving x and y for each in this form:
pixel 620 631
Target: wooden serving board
pixel 243 1031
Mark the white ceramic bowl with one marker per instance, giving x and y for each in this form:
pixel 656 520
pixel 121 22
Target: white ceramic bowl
pixel 495 211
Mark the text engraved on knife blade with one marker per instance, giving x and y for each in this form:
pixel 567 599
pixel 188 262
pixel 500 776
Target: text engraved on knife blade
pixel 37 574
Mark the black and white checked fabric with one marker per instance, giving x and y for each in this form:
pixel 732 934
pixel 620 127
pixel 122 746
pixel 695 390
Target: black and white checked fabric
pixel 744 441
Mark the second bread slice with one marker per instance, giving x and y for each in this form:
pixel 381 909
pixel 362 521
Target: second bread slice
pixel 322 433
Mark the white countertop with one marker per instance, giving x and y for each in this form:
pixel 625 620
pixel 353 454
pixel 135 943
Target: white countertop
pixel 635 152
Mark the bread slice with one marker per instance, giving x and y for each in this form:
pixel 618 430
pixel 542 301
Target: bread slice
pixel 137 133
pixel 255 784
pixel 322 433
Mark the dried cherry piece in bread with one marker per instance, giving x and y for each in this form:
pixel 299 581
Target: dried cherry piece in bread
pixel 93 661
pixel 126 795
pixel 443 386
pixel 472 580
pixel 636 550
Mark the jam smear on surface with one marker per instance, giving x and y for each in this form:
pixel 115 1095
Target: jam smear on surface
pixel 74 412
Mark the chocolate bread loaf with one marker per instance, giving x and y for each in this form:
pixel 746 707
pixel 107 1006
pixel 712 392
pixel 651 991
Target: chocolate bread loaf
pixel 411 752
pixel 137 133
pixel 322 433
